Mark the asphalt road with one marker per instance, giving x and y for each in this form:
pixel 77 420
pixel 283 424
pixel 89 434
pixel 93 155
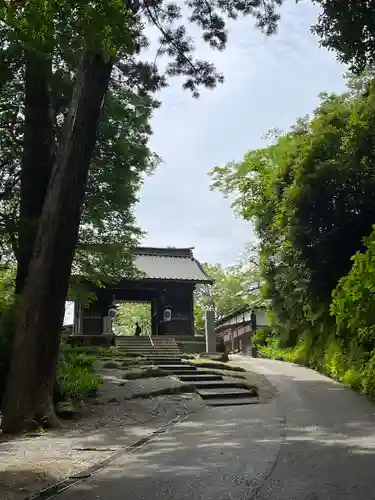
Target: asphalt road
pixel 315 442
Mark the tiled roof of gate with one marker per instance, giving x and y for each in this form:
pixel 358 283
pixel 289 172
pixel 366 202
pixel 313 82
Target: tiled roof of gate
pixel 177 264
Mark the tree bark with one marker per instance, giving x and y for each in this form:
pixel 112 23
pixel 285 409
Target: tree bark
pixel 37 160
pixel 29 390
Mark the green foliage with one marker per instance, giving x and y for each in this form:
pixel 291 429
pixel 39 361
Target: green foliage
pixel 76 381
pixel 262 337
pixel 129 313
pixel 75 377
pixel 232 288
pixel 348 28
pixel 351 365
pixel 353 303
pixel 310 196
pixel 56 33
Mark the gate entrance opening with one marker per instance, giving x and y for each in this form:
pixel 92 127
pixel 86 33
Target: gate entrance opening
pixel 129 314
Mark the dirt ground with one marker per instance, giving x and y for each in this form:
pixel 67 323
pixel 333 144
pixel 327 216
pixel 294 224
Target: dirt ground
pixel 110 422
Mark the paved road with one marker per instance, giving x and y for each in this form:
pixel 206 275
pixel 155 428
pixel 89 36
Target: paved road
pixel 316 442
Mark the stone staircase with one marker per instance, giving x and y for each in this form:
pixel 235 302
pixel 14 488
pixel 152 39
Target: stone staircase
pixel 162 348
pixel 211 387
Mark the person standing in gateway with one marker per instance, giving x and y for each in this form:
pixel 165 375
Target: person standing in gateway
pixel 137 330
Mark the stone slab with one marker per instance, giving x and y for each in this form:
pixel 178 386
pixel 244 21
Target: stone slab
pixel 180 368
pixel 232 402
pixel 230 392
pixel 200 377
pixel 224 384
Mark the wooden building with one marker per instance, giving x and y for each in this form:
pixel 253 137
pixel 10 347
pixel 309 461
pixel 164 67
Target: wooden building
pixel 169 277
pixel 239 326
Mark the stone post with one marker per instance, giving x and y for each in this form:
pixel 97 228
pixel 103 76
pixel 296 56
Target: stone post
pixel 107 325
pixel 246 344
pixel 254 352
pixel 209 324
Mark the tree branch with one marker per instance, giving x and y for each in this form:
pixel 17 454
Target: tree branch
pixel 170 40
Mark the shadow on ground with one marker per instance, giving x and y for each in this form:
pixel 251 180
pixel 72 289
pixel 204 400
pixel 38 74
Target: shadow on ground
pixel 316 443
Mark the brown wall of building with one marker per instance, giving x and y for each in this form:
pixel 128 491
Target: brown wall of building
pixel 92 326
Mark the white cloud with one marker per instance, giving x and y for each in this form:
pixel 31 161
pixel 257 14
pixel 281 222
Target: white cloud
pixel 269 82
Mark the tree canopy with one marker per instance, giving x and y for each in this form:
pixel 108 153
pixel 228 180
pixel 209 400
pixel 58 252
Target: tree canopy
pixel 233 288
pixel 75 151
pixel 310 196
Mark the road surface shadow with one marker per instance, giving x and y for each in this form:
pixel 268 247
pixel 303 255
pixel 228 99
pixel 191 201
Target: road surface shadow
pixel 316 443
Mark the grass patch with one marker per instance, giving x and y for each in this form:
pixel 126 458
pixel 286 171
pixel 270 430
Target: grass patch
pixel 144 372
pixel 75 381
pixel 75 376
pixel 210 363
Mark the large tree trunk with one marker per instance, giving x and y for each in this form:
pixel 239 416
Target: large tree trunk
pixel 37 158
pixel 29 390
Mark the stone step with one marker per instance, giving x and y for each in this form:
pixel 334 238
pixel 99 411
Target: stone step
pixel 200 377
pixel 163 353
pixel 156 347
pixel 223 384
pixel 166 352
pixel 231 402
pixel 177 369
pixel 166 361
pixel 148 344
pixel 225 393
pixel 161 365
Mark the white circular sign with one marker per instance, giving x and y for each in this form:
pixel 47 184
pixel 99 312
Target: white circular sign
pixel 167 314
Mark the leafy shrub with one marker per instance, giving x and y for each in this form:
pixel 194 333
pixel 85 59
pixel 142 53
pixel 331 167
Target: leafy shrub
pixel 351 365
pixel 77 357
pixel 368 377
pixel 353 304
pixel 261 337
pixel 75 381
pixel 74 373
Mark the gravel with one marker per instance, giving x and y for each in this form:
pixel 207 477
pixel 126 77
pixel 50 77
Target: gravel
pixel 110 422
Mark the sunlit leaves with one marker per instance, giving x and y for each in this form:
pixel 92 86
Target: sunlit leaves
pixel 311 198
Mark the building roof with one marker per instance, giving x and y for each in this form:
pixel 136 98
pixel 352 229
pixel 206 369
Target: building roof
pixel 239 312
pixel 177 264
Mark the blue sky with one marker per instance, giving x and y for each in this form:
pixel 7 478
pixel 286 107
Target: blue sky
pixel 269 82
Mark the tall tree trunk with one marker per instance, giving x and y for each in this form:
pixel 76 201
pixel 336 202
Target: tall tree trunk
pixel 29 390
pixel 37 161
